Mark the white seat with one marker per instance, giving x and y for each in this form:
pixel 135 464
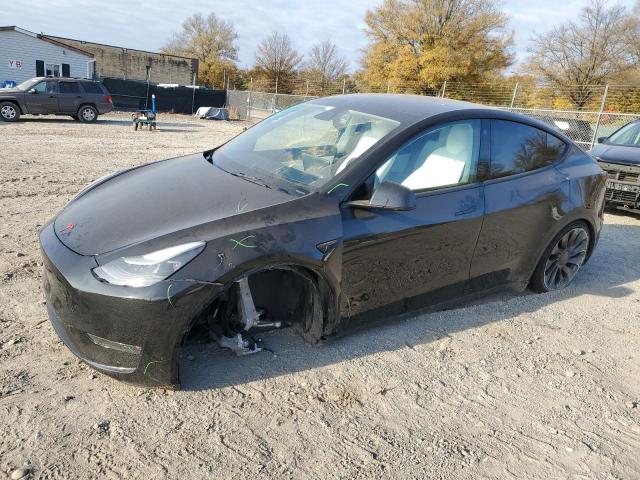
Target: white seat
pixel 446 165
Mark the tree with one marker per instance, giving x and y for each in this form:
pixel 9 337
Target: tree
pixel 324 66
pixel 276 61
pixel 418 44
pixel 580 55
pixel 211 41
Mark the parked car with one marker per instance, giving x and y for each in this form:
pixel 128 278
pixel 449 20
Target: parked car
pixel 619 156
pixel 82 99
pixel 345 207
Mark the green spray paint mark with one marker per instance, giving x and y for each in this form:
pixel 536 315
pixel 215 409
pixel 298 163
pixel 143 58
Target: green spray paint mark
pixel 240 243
pixel 169 295
pixel 240 209
pixel 338 185
pixel 150 363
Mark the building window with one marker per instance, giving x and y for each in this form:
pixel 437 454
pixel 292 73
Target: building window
pixel 52 70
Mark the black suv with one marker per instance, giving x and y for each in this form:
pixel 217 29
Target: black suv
pixel 82 99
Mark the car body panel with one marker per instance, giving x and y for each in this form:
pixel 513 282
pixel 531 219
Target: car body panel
pixel 394 258
pixel 369 263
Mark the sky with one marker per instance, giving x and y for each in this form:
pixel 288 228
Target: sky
pixel 148 25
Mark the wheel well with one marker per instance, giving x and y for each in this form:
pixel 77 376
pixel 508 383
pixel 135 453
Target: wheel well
pixel 87 104
pixel 13 102
pixel 292 295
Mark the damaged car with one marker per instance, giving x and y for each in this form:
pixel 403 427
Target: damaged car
pixel 345 208
pixel 619 156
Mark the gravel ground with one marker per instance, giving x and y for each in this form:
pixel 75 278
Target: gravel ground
pixel 514 386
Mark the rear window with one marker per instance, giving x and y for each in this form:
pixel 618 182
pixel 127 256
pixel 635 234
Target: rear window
pixel 518 148
pixel 92 87
pixel 69 87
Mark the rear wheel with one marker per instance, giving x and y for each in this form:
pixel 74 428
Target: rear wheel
pixel 562 258
pixel 9 112
pixel 87 114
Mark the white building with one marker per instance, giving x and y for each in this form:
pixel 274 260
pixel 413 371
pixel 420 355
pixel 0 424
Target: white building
pixel 25 54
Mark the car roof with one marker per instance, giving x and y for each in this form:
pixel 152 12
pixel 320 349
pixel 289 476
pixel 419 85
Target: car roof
pixel 62 79
pixel 401 107
pixel 410 109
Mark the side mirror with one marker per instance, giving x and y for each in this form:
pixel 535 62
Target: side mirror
pixel 602 139
pixel 32 91
pixel 388 196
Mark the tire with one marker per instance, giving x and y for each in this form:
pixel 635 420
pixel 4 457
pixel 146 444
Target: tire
pixel 562 259
pixel 87 114
pixel 9 112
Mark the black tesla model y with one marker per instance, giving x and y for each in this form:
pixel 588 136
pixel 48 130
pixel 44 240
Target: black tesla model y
pixel 346 207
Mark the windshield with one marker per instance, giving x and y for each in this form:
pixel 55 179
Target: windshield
pixel 27 84
pixel 305 145
pixel 627 135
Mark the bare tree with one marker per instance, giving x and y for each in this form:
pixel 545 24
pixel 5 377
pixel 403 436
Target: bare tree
pixel 632 34
pixel 277 59
pixel 212 41
pixel 325 65
pixel 579 55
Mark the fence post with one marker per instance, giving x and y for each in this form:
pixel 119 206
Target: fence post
pixel 193 93
pixel 444 89
pixel 513 98
pixel 602 105
pixel 388 85
pixel 249 99
pixel 306 92
pixel 344 85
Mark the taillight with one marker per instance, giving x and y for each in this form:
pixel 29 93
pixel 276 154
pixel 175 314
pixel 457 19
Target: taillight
pixel 108 99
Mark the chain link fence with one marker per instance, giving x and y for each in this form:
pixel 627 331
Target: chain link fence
pixel 584 113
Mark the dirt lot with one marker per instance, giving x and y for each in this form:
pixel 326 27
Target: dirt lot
pixel 516 386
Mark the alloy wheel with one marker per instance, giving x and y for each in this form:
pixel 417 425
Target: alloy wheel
pixel 566 258
pixel 88 114
pixel 8 112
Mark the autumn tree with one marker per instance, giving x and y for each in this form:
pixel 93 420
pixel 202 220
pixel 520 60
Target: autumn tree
pixel 324 66
pixel 211 40
pixel 276 62
pixel 422 43
pixel 580 55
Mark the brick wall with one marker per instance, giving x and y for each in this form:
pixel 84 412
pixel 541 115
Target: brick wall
pixel 131 64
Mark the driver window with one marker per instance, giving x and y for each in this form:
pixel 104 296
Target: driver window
pixel 446 155
pixel 45 87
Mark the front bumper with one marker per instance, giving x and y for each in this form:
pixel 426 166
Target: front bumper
pixel 623 185
pixel 131 334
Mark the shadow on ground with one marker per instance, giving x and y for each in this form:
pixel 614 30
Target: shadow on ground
pixel 613 265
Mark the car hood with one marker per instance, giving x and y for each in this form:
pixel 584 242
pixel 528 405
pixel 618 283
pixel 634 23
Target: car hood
pixel 9 91
pixel 617 154
pixel 155 200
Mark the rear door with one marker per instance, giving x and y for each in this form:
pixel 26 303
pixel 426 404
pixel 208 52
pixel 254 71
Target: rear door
pixel 395 261
pixel 69 97
pixel 42 98
pixel 525 196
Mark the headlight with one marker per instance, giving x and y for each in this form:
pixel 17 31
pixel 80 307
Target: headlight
pixel 145 270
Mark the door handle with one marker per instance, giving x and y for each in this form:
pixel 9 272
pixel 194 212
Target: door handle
pixel 52 96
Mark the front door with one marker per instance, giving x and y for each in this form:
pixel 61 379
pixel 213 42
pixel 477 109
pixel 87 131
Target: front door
pixel 394 261
pixel 42 98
